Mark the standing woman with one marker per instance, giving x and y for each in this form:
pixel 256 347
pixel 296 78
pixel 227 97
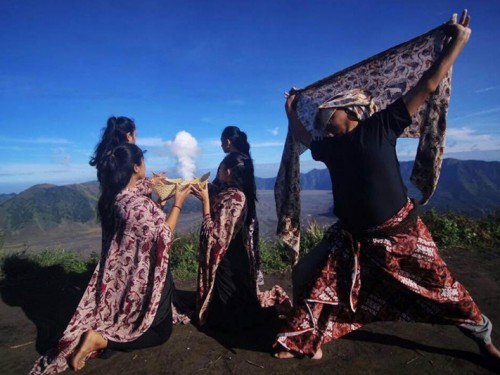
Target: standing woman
pixel 234 140
pixel 127 304
pixel 228 295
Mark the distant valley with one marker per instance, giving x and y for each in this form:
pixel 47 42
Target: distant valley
pixel 48 214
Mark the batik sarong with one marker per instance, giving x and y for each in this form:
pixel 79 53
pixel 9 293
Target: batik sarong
pixel 383 274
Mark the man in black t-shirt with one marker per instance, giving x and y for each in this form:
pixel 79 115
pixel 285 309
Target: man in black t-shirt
pixel 378 262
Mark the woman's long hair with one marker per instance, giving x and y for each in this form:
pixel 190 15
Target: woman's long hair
pixel 242 177
pixel 238 138
pixel 117 167
pixel 114 134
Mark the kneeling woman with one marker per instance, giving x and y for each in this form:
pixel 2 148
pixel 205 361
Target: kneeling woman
pixel 127 304
pixel 228 295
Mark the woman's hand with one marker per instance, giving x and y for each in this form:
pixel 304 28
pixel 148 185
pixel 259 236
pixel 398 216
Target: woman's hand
pixel 201 192
pixel 157 178
pixel 181 195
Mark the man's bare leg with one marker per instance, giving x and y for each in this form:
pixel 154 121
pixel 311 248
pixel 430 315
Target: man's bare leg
pixel 490 351
pixel 89 342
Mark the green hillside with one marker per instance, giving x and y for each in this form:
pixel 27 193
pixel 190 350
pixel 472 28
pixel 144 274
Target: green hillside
pixel 44 206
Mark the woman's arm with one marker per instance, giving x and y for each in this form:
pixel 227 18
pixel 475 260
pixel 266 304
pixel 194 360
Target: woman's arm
pixel 180 197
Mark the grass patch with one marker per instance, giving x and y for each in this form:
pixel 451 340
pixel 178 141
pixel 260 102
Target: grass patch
pixel 449 230
pixel 184 256
pixel 24 265
pixel 452 230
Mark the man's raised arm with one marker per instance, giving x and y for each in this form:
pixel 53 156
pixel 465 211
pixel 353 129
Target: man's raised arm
pixel 459 34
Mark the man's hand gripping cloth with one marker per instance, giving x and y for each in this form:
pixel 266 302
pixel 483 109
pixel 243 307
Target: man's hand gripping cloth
pixel 386 76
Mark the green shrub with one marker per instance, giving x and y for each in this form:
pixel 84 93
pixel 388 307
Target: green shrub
pixel 68 260
pixel 453 230
pixel 24 265
pixel 491 225
pixel 184 256
pixel 448 230
pixel 273 256
pixel 310 237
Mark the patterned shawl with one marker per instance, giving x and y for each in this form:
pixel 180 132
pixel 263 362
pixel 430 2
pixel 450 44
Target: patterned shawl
pixel 218 231
pixel 386 76
pixel 123 294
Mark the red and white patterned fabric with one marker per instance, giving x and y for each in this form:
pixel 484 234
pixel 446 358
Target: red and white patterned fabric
pixel 123 294
pixel 218 230
pixel 391 277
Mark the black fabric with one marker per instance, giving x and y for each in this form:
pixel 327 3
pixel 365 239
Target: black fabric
pixel 154 336
pixel 165 306
pixel 367 185
pixel 160 329
pixel 234 305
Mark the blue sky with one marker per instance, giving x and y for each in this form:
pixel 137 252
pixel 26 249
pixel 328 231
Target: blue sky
pixel 198 66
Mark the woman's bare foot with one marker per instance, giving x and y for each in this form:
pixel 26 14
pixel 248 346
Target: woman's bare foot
pixel 289 355
pixel 89 342
pixel 318 354
pixel 284 355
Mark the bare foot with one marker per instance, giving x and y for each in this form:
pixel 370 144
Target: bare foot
pixel 287 355
pixel 284 355
pixel 318 355
pixel 89 342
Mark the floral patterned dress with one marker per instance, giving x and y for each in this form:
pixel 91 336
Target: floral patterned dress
pixel 124 292
pixel 224 231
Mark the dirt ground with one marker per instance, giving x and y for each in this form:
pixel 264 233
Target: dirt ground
pixel 36 304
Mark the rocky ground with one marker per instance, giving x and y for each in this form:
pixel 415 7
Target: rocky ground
pixel 33 312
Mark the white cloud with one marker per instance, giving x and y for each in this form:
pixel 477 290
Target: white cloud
pixel 38 140
pixel 465 139
pixel 478 113
pixel 274 131
pixel 37 173
pixel 466 134
pixel 49 141
pixel 487 89
pixel 60 156
pixel 267 144
pixel 151 142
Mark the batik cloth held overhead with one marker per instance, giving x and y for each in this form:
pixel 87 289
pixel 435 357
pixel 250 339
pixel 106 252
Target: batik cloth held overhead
pixel 386 76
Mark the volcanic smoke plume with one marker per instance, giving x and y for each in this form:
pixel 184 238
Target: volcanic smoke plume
pixel 185 148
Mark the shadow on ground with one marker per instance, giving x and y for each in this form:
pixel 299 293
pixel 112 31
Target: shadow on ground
pixel 47 295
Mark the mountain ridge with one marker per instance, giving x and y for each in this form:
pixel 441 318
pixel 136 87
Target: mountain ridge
pixel 466 187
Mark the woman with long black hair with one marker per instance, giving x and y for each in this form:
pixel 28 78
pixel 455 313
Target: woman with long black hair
pixel 233 139
pixel 228 295
pixel 127 304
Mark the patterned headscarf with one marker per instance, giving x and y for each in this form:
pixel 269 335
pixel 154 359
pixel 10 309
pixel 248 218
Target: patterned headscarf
pixel 358 102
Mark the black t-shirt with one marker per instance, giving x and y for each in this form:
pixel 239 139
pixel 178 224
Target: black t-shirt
pixel 364 169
